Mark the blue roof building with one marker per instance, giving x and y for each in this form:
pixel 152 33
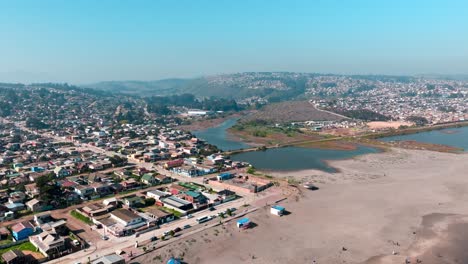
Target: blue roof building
pixel 243 222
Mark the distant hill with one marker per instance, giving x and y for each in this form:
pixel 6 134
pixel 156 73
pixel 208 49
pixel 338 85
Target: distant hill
pixel 271 86
pixel 141 88
pixel 252 86
pixel 294 111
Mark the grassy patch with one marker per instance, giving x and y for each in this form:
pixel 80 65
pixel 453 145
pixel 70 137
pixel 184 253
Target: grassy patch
pixel 172 211
pixel 81 217
pixel 23 246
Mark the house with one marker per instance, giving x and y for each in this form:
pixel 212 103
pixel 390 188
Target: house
pixel 35 205
pixel 130 184
pixel 157 194
pixel 111 202
pixel 177 204
pixel 176 189
pixel 49 243
pixel 277 210
pixel 122 222
pixel 22 230
pixel 96 209
pixel 227 195
pixel 126 217
pixel 133 201
pixel 149 179
pixel 5 213
pixel 186 170
pixel 14 256
pixel 62 172
pixel 15 207
pixel 195 197
pixel 17 197
pixel 84 190
pixel 173 163
pixel 225 176
pixel 110 259
pixel 31 190
pixel 101 189
pixel 163 179
pixel 160 216
pixel 4 233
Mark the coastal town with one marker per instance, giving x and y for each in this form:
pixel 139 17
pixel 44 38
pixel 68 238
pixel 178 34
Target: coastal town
pixel 92 178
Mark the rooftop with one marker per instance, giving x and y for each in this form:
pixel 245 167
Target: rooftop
pixel 125 215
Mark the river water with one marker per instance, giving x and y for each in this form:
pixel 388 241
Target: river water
pixel 455 137
pixel 284 159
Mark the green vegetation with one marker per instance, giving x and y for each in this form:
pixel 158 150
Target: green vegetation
pixel 160 104
pixel 251 170
pixel 23 246
pixel 417 120
pixel 150 201
pixel 172 211
pixel 361 114
pixel 81 217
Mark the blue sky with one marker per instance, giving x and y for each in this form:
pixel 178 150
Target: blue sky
pixel 87 41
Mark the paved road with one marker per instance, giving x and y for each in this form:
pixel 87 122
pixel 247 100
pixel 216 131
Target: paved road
pixel 102 248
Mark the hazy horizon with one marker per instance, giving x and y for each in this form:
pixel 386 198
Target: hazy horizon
pixel 86 42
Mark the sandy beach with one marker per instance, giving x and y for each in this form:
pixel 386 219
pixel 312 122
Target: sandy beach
pixel 408 202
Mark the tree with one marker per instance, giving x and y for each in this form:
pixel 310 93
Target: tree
pixel 149 201
pixel 229 212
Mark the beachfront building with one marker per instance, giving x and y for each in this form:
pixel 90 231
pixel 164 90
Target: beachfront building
pixel 122 222
pixel 243 223
pixel 277 210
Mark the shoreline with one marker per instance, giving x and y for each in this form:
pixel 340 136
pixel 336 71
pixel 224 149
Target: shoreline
pixel 373 207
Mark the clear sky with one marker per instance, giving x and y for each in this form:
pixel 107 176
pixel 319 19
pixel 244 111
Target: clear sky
pixel 86 41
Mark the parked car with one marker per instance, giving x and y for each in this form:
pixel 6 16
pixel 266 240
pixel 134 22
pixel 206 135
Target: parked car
pixel 187 226
pixel 154 238
pixel 212 209
pixel 178 229
pixel 105 237
pixel 188 216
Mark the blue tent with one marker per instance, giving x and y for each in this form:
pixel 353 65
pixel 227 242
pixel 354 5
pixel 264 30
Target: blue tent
pixel 173 261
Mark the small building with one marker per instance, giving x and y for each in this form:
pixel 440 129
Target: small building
pixel 277 210
pixel 225 176
pixel 149 179
pixel 157 194
pixel 35 205
pixel 4 233
pixel 133 201
pixel 160 216
pixel 49 243
pixel 22 230
pixel 195 197
pixel 174 163
pixel 15 207
pixel 177 204
pixel 243 223
pixel 126 217
pixel 14 256
pixel 163 179
pixel 109 259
